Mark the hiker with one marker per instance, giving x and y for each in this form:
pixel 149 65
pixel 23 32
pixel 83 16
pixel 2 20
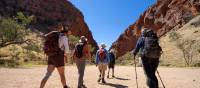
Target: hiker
pixel 81 54
pixel 102 60
pixel 111 64
pixel 151 52
pixel 143 31
pixel 56 47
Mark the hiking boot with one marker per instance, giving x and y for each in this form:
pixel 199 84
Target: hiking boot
pixel 99 80
pixel 84 86
pixel 66 86
pixel 79 87
pixel 103 81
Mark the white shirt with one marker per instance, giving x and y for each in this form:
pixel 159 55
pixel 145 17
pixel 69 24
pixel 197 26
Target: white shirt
pixel 63 43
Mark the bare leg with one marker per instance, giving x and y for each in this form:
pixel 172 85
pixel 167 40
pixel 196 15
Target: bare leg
pixel 108 73
pixel 61 71
pixel 113 72
pixel 50 69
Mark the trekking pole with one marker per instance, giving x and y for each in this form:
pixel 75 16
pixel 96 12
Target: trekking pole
pixel 160 79
pixel 135 72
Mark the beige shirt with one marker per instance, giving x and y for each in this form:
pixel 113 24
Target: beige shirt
pixel 64 44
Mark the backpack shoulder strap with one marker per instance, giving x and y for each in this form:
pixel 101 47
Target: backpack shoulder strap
pixel 61 34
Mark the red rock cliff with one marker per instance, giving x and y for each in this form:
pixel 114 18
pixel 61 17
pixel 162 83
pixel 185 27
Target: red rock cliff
pixel 47 13
pixel 162 17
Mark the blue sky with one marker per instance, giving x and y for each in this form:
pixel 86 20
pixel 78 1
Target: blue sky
pixel 107 19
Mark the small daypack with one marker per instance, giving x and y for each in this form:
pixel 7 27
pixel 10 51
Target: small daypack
pixel 112 58
pixel 79 50
pixel 51 44
pixel 151 48
pixel 102 54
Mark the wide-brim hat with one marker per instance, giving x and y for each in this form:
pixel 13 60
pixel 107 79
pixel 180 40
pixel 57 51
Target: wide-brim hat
pixel 83 39
pixel 102 45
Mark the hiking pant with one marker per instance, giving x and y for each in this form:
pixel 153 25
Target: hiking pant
pixel 150 66
pixel 102 68
pixel 81 68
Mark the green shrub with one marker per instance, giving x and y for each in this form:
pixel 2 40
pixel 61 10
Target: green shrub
pixel 198 50
pixel 13 30
pixel 72 41
pixel 197 64
pixel 126 59
pixel 10 63
pixel 33 47
pixel 173 36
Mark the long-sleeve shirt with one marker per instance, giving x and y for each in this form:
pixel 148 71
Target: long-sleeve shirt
pixel 63 43
pixel 106 60
pixel 139 45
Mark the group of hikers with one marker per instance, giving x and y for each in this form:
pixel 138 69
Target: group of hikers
pixel 56 47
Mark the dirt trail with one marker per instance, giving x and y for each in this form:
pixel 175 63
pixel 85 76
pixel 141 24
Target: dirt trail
pixel 125 77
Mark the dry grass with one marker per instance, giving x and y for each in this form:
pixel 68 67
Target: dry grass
pixel 173 56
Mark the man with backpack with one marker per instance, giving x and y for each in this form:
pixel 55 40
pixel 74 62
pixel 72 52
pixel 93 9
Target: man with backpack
pixel 111 64
pixel 56 47
pixel 102 60
pixel 81 54
pixel 150 54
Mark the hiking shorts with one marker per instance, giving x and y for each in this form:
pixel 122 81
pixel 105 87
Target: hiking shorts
pixel 111 65
pixel 56 60
pixel 102 66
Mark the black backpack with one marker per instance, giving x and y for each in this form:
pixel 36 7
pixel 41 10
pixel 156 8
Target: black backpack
pixel 151 47
pixel 112 58
pixel 79 50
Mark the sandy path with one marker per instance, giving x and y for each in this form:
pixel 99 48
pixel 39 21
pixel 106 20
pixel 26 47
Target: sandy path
pixel 125 78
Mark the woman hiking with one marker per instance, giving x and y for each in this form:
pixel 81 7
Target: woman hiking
pixel 56 47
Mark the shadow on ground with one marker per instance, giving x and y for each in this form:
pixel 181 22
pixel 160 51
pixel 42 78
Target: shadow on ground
pixel 121 78
pixel 115 85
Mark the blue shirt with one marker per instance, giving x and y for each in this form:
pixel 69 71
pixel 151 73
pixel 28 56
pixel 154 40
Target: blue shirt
pixel 106 60
pixel 139 45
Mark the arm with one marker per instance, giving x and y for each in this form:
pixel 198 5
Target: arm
pixel 66 44
pixel 97 58
pixel 73 56
pixel 139 45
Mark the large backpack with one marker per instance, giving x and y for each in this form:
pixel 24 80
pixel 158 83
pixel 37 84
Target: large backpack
pixel 151 48
pixel 102 54
pixel 79 50
pixel 51 44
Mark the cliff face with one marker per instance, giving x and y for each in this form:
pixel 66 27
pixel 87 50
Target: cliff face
pixel 47 13
pixel 162 17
